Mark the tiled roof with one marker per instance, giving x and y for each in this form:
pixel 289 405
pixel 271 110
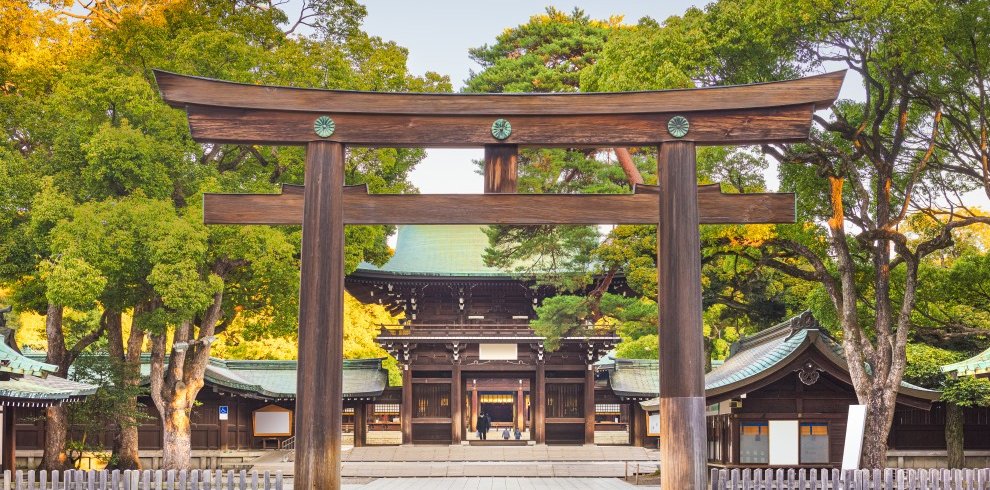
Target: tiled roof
pixel 277 379
pixel 14 362
pixel 29 381
pixel 751 357
pixel 438 250
pixel 974 366
pixel 635 378
pixel 33 390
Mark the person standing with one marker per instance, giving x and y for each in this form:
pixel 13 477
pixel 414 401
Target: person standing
pixel 484 423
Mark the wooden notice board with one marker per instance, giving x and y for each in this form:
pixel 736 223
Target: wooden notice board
pixel 272 421
pixel 652 423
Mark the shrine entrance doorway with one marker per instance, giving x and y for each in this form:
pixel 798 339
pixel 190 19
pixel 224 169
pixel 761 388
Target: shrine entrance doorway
pixel 504 399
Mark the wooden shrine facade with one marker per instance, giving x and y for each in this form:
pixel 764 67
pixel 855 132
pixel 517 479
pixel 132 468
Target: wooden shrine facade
pixel 466 347
pixel 327 121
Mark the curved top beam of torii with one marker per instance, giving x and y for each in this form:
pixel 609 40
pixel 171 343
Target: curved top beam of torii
pixel 227 112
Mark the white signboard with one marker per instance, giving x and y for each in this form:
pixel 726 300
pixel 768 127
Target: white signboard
pixel 224 412
pixel 784 449
pixel 498 352
pixel 272 421
pixel 855 427
pixel 653 424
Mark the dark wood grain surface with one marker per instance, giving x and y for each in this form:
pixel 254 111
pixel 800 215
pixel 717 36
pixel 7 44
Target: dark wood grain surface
pixel 279 127
pixel 518 209
pixel 589 405
pixel 682 369
pixel 180 91
pixel 540 404
pixel 501 173
pixel 319 402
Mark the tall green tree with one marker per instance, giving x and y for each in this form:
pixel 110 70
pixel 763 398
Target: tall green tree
pixel 124 177
pixel 869 166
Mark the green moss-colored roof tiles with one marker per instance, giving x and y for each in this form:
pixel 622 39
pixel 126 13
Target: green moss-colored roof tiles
pixel 14 362
pixel 438 250
pixel 277 379
pixel 750 358
pixel 43 391
pixel 974 366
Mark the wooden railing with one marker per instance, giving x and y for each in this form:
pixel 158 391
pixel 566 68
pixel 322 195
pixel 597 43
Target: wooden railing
pixel 141 480
pixel 477 329
pixel 832 479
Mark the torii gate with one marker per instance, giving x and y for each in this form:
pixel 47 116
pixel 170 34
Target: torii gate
pixel 326 121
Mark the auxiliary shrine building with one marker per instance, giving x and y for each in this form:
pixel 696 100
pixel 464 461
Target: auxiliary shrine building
pixel 465 346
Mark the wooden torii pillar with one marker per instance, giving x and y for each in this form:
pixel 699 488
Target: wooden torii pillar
pixel 326 121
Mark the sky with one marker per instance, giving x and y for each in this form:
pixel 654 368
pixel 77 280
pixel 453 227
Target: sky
pixel 438 34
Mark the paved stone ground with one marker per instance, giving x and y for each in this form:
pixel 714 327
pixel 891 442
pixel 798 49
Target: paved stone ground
pixel 548 462
pixel 594 469
pixel 496 483
pixel 498 453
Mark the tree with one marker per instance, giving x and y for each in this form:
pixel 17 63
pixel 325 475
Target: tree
pixel 87 117
pixel 925 369
pixel 577 261
pixel 870 164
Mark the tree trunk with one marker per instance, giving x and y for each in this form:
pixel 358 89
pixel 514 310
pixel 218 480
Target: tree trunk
pixel 175 384
pixel 125 428
pixel 177 445
pixel 879 418
pixel 628 166
pixel 954 435
pixel 56 436
pixel 57 424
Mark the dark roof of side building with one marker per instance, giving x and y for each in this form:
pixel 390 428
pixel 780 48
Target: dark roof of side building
pixel 765 355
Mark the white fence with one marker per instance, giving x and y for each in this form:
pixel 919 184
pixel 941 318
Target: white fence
pixel 888 479
pixel 141 480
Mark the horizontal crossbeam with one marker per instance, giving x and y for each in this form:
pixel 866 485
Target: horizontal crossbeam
pixel 225 112
pixel 361 208
pixel 266 127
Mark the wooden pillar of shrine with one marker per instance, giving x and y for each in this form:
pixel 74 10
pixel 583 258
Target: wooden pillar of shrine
pixel 637 425
pixel 682 391
pixel 520 408
pixel 589 405
pixel 320 402
pixel 474 406
pixel 456 405
pixel 500 169
pixel 224 426
pixel 539 396
pixel 405 408
pixel 360 423
pixel 8 457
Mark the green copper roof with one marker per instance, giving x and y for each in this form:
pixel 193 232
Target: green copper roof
pixel 974 366
pixel 751 357
pixel 29 390
pixel 30 383
pixel 438 250
pixel 14 362
pixel 363 378
pixel 277 379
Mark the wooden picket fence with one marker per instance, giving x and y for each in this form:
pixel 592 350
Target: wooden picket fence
pixel 141 480
pixel 825 479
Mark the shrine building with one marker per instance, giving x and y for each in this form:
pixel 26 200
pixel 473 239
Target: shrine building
pixel 465 346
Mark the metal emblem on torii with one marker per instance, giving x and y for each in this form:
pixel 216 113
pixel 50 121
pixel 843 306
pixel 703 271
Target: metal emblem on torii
pixel 326 121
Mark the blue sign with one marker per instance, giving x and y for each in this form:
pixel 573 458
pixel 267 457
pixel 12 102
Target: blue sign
pixel 224 410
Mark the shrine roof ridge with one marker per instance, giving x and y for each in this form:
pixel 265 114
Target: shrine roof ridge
pixel 184 90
